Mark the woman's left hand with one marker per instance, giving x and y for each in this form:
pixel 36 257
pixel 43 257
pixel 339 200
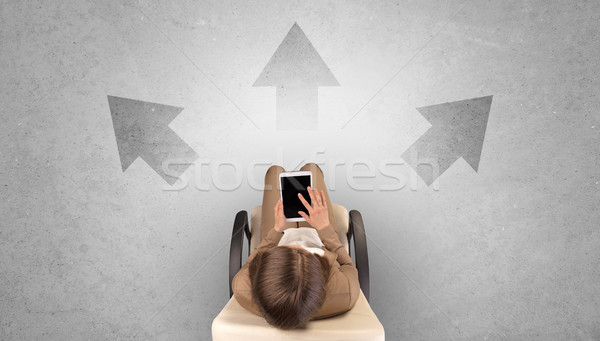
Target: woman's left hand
pixel 280 221
pixel 318 216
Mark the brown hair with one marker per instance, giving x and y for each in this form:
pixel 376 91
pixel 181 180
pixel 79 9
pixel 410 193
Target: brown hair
pixel 288 284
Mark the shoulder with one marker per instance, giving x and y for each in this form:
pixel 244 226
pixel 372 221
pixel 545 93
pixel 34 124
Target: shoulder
pixel 342 288
pixel 242 291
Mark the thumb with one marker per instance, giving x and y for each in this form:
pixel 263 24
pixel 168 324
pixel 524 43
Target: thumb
pixel 303 215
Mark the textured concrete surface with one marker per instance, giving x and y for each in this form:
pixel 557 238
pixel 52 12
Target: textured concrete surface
pixel 510 252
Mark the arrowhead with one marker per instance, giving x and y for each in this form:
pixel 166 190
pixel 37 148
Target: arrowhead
pixel 460 127
pixel 141 129
pixel 296 63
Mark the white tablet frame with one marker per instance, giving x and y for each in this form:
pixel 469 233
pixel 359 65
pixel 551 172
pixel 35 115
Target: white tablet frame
pixel 293 174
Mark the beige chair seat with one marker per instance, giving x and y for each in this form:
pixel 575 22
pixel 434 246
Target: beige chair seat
pixel 234 322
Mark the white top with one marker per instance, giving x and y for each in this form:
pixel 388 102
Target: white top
pixel 307 237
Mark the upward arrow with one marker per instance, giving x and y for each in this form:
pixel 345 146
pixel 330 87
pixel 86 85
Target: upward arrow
pixel 142 130
pixel 457 130
pixel 297 70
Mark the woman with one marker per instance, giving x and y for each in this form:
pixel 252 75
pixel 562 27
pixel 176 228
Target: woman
pixel 300 271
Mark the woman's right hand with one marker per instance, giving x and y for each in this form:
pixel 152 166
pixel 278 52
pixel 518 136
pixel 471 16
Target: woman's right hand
pixel 280 220
pixel 318 216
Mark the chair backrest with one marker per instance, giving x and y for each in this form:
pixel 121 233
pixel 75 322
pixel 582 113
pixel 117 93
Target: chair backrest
pixel 339 212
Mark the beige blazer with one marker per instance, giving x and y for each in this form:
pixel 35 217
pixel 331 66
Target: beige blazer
pixel 343 287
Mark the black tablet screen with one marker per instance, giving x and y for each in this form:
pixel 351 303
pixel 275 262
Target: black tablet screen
pixel 290 187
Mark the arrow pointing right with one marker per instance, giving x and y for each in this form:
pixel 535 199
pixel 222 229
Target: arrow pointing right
pixel 457 130
pixel 297 70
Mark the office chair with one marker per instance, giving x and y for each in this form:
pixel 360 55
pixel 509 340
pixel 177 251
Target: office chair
pixel 234 322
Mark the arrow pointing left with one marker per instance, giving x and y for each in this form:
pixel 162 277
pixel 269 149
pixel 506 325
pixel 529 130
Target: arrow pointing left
pixel 142 130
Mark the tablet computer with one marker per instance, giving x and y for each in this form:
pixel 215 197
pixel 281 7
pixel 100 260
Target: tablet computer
pixel 290 184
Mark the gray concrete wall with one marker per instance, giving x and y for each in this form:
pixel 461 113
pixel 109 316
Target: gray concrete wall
pixel 91 251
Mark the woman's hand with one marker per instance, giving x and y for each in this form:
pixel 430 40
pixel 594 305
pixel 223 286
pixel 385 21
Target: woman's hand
pixel 279 217
pixel 318 215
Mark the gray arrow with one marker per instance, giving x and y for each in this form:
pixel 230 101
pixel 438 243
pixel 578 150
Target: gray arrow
pixel 296 70
pixel 457 130
pixel 142 130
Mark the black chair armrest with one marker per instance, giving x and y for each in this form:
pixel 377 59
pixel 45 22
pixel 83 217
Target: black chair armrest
pixel 240 228
pixel 356 230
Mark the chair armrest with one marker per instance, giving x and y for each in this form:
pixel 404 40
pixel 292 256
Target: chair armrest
pixel 240 227
pixel 356 230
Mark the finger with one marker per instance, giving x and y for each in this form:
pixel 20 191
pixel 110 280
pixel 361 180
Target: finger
pixel 305 203
pixel 323 198
pixel 312 196
pixel 318 197
pixel 281 209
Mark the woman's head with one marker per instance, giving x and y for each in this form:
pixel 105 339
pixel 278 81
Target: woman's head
pixel 288 284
